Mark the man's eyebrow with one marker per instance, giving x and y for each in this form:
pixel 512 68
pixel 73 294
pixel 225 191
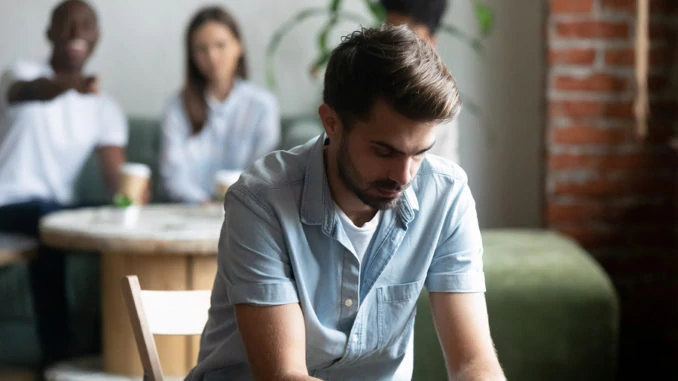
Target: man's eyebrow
pixel 399 152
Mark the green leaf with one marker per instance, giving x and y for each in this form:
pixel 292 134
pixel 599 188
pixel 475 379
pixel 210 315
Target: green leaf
pixel 474 42
pixel 334 5
pixel 377 11
pixel 322 37
pixel 121 200
pixel 287 26
pixel 484 16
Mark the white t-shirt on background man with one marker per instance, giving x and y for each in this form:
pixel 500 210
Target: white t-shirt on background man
pixel 44 145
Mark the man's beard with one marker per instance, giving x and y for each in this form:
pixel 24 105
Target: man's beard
pixel 352 180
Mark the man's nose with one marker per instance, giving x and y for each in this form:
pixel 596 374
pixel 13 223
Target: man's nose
pixel 401 170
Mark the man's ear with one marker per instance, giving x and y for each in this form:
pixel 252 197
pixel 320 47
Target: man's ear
pixel 330 120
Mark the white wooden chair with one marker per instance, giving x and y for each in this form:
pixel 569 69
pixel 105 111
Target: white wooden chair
pixel 162 313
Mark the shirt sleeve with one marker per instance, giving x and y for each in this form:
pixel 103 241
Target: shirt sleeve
pixel 457 264
pixel 175 169
pixel 267 130
pixel 20 71
pixel 252 255
pixel 6 80
pixel 114 127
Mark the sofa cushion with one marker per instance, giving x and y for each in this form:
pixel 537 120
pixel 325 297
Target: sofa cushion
pixel 553 311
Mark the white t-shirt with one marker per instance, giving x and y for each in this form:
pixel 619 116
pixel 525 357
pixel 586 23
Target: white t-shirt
pixel 239 130
pixel 43 145
pixel 359 237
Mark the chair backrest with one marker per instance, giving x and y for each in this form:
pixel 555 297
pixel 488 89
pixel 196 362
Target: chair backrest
pixel 162 313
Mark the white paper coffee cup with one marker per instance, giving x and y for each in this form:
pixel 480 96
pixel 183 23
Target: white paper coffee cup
pixel 223 179
pixel 134 181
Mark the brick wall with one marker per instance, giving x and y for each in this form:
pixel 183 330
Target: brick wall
pixel 615 193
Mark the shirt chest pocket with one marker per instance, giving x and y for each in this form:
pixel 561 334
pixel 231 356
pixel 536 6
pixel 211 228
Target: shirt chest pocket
pixel 396 310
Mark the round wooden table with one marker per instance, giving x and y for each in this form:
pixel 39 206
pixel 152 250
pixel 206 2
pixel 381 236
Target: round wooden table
pixel 170 247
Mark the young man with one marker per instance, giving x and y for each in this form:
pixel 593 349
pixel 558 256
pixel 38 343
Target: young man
pixel 423 17
pixel 51 118
pixel 342 234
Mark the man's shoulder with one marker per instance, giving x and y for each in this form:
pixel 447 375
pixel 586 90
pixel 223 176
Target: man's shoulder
pixel 442 170
pixel 25 69
pixel 279 171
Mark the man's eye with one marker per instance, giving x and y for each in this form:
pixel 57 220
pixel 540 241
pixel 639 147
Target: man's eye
pixel 382 152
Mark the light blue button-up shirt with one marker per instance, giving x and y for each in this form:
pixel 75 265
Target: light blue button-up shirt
pixel 282 242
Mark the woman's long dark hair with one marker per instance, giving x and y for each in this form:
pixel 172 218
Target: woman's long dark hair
pixel 193 94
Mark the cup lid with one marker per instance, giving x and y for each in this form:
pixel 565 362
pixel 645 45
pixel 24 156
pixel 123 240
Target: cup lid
pixel 136 169
pixel 227 176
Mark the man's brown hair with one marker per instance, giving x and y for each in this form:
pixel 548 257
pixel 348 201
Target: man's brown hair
pixel 393 64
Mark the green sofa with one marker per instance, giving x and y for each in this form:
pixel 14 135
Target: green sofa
pixel 553 311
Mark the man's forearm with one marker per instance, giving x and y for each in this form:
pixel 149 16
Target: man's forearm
pixel 298 378
pixel 41 89
pixel 111 158
pixel 479 371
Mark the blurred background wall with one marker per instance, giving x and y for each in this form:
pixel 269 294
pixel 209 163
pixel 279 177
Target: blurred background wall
pixel 141 53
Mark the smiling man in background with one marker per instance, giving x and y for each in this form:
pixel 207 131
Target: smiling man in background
pixel 52 117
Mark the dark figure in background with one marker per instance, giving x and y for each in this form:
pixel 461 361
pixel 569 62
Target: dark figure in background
pixel 52 117
pixel 422 16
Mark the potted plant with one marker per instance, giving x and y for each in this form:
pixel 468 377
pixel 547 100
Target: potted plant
pixel 333 13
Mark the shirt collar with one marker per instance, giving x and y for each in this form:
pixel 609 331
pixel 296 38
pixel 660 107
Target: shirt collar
pixel 215 105
pixel 317 205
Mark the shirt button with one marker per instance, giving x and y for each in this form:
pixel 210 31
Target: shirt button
pixel 355 338
pixel 348 302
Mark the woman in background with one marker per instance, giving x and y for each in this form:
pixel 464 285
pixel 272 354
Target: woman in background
pixel 219 120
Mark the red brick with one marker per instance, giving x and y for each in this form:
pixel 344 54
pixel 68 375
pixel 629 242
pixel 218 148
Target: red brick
pixel 664 111
pixel 607 187
pixel 630 161
pixel 591 236
pixel 593 29
pixel 648 262
pixel 656 6
pixel 572 56
pixel 595 210
pixel 660 133
pixel 660 32
pixel 571 6
pixel 591 109
pixel 598 82
pixel 627 57
pixel 578 134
